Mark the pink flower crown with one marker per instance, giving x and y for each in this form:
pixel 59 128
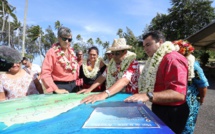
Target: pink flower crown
pixel 185 48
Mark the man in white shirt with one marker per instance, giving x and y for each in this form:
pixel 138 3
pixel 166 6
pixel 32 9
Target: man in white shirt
pixel 32 69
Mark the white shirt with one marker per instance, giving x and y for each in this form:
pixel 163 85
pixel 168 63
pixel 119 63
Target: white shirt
pixel 34 71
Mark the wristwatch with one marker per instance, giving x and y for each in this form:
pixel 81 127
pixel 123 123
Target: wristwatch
pixel 150 95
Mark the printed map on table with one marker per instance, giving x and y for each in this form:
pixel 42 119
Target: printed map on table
pixel 120 117
pixel 37 107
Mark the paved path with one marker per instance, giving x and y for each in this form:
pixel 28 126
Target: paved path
pixel 206 118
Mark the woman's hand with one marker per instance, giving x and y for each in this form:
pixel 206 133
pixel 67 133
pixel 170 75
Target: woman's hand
pixel 61 91
pixel 84 91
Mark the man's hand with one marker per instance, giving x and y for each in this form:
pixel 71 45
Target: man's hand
pixel 61 91
pixel 84 91
pixel 137 97
pixel 95 97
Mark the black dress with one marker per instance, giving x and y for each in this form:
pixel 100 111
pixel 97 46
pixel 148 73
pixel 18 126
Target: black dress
pixel 87 82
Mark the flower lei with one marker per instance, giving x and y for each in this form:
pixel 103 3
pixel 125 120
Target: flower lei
pixel 112 68
pixel 147 79
pixel 68 65
pixel 185 48
pixel 93 73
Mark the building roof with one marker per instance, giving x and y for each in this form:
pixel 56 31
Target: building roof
pixel 204 38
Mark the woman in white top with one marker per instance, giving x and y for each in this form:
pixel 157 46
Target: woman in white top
pixel 15 83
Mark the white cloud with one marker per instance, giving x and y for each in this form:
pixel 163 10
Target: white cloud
pixel 98 28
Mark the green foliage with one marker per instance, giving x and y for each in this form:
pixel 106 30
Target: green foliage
pixel 34 32
pixel 133 41
pixel 204 59
pixel 58 24
pixel 48 39
pixel 184 19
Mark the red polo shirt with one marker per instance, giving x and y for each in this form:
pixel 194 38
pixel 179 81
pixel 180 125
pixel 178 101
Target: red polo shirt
pixel 172 74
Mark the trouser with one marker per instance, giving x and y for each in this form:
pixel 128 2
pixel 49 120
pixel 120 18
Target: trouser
pixel 174 117
pixel 69 86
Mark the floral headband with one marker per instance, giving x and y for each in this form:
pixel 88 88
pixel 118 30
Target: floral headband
pixel 185 48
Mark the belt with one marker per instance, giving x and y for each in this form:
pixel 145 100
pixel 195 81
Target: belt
pixel 63 82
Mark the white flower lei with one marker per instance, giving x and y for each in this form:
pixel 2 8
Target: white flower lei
pixel 112 67
pixel 191 61
pixel 93 73
pixel 68 65
pixel 147 79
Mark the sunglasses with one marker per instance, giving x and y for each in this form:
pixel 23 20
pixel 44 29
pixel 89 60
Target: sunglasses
pixel 117 53
pixel 65 39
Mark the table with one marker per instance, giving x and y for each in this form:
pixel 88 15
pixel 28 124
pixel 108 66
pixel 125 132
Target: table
pixel 73 120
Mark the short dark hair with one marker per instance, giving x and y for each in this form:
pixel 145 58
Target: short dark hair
pixel 93 48
pixel 156 35
pixel 24 58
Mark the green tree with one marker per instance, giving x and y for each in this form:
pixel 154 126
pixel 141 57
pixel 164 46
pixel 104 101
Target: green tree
pixel 6 11
pixel 120 33
pixel 135 42
pixel 184 18
pixel 35 34
pixel 106 44
pixel 98 41
pixel 90 42
pixel 48 39
pixel 58 24
pixel 80 44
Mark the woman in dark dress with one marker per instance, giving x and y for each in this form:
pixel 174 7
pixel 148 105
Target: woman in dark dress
pixel 91 69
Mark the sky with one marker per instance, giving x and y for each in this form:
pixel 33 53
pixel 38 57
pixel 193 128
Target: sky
pixel 92 18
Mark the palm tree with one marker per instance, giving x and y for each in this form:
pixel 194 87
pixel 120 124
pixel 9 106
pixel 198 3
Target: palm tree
pixel 99 42
pixel 105 45
pixel 120 33
pixel 58 25
pixel 35 34
pixel 48 39
pixel 81 42
pixel 6 10
pixel 90 41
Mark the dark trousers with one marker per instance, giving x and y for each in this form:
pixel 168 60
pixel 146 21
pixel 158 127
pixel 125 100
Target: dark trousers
pixel 174 117
pixel 69 86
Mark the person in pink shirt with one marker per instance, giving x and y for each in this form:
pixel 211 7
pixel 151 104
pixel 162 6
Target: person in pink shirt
pixel 60 67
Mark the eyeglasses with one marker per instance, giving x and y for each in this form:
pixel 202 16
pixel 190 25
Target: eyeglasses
pixel 65 39
pixel 117 53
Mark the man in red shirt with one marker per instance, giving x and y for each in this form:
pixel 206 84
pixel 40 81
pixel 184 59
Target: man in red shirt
pixel 164 81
